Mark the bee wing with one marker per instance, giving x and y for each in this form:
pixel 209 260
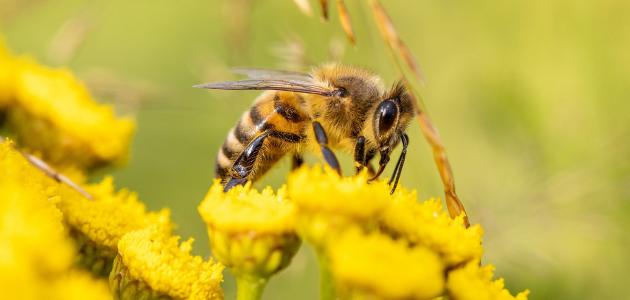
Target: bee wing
pixel 260 73
pixel 298 86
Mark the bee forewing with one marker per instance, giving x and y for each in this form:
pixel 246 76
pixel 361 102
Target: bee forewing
pixel 259 73
pixel 298 86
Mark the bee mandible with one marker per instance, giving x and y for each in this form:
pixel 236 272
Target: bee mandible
pixel 334 107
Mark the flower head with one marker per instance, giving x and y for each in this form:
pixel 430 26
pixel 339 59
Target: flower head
pixel 36 255
pixel 327 202
pixel 52 113
pixel 426 223
pixel 76 285
pixel 251 232
pixel 6 76
pixel 152 264
pixel 374 264
pixel 475 282
pixel 97 225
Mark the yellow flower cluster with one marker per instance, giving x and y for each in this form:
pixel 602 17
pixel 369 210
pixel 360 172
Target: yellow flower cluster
pixel 98 224
pixel 36 255
pixel 41 218
pixel 52 113
pixel 474 282
pixel 327 202
pixel 362 263
pixel 77 285
pixel 427 224
pixel 152 257
pixel 251 232
pixel 6 80
pixel 388 247
pixel 246 209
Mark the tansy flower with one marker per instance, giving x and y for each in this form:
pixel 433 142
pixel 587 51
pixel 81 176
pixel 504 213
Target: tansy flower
pixel 6 76
pixel 152 265
pixel 373 266
pixel 473 282
pixel 98 224
pixel 76 285
pixel 36 255
pixel 251 232
pixel 327 202
pixel 50 112
pixel 426 223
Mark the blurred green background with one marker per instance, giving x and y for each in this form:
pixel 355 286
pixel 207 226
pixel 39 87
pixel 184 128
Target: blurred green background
pixel 531 99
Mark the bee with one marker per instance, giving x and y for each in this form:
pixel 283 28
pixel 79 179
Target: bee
pixel 334 107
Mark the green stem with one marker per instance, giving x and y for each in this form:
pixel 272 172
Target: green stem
pixel 249 287
pixel 326 286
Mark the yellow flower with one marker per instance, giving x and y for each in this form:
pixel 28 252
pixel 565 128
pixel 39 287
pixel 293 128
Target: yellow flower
pixel 248 210
pixel 30 223
pixel 251 232
pixel 427 224
pixel 327 202
pixel 77 285
pixel 36 255
pixel 151 265
pixel 98 224
pixel 6 76
pixel 475 283
pixel 52 113
pixel 373 266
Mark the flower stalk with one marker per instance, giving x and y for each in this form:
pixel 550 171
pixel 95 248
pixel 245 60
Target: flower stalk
pixel 249 287
pixel 326 284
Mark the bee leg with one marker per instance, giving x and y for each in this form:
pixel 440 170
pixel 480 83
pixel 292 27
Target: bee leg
pixel 359 154
pixel 297 161
pixel 322 140
pixel 368 162
pixel 234 182
pixel 244 164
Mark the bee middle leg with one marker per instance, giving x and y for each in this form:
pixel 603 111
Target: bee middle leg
pixel 322 140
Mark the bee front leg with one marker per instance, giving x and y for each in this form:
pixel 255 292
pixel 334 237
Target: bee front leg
pixel 297 161
pixel 322 140
pixel 359 154
pixel 244 164
pixel 368 162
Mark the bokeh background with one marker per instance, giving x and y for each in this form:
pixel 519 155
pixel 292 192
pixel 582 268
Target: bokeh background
pixel 532 99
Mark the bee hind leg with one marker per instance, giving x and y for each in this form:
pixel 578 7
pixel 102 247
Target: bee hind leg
pixel 234 182
pixel 244 164
pixel 322 140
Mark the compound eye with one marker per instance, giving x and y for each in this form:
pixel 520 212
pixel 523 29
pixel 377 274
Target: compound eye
pixel 387 114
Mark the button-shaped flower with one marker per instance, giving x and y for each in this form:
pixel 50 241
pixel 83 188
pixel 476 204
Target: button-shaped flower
pixel 374 266
pixel 98 224
pixel 251 232
pixel 50 112
pixel 151 264
pixel 474 282
pixel 327 203
pixel 36 254
pixel 426 223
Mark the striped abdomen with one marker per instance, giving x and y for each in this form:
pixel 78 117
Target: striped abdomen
pixel 280 116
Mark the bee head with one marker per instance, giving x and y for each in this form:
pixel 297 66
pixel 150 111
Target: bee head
pixel 391 117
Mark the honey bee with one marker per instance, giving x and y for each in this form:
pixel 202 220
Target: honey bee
pixel 334 107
